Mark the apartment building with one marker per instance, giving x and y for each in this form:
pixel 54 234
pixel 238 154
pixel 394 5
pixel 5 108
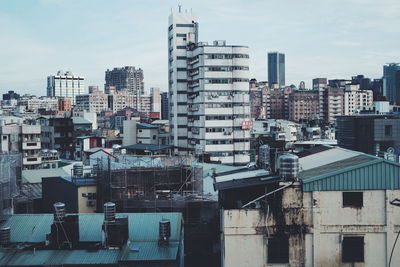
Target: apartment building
pixel 209 94
pixel 356 99
pixel 22 138
pixel 96 101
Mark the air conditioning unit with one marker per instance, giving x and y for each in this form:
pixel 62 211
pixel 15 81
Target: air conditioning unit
pixel 91 203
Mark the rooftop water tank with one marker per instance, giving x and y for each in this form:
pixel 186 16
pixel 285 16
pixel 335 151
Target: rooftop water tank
pixel 5 235
pixel 109 212
pixel 59 212
pixel 165 230
pixel 289 167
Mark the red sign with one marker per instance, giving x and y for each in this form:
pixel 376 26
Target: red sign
pixel 247 125
pixel 154 115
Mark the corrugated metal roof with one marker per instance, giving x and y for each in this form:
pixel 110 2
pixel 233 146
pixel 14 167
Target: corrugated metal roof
pixel 80 120
pixel 326 157
pixel 59 257
pixel 375 174
pixel 35 176
pixel 139 251
pixel 32 228
pixel 336 165
pixel 143 234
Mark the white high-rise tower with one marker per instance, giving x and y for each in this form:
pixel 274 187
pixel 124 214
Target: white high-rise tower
pixel 209 94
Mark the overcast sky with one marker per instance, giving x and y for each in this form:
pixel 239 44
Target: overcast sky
pixel 321 38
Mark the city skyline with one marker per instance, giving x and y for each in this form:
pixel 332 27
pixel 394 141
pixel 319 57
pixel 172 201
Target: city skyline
pixel 338 42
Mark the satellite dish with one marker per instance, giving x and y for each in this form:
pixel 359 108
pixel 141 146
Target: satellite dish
pixel 390 150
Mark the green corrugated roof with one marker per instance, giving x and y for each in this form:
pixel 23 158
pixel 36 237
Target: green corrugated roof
pixel 362 174
pixel 150 251
pixel 143 234
pixel 32 228
pixel 59 257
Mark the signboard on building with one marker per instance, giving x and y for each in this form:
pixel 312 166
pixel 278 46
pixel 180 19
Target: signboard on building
pixel 247 125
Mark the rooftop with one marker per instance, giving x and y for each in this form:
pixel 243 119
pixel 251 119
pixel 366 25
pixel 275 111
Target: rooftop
pixel 149 147
pixel 143 240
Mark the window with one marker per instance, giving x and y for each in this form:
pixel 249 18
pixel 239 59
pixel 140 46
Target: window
pixel 278 249
pixel 353 249
pixel 353 199
pixel 388 130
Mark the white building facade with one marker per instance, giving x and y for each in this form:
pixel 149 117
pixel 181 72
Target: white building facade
pixel 356 99
pixel 209 94
pixel 65 84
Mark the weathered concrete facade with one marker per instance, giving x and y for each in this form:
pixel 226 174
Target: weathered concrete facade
pixel 316 223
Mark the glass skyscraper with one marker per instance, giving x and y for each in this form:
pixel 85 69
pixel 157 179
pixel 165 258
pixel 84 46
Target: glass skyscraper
pixel 391 82
pixel 276 69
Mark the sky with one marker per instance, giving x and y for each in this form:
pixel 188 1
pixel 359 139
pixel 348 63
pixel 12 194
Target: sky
pixel 320 38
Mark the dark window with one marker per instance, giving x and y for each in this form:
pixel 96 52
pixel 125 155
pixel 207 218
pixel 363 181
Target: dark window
pixel 353 199
pixel 154 137
pixel 4 137
pixel 185 25
pixel 388 130
pixel 353 249
pixel 278 249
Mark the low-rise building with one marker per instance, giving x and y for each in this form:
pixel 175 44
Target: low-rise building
pixel 334 211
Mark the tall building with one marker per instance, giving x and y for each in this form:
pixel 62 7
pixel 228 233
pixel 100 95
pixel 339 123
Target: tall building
pixel 209 94
pixel 276 68
pixel 11 95
pixel 364 82
pixel 391 82
pixel 65 84
pixel 155 99
pixel 164 106
pixel 126 78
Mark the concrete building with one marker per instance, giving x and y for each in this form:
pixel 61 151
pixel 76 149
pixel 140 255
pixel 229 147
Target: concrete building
pixel 11 95
pixel 303 105
pixel 208 90
pixel 391 82
pixel 64 104
pixel 336 212
pixel 355 99
pixel 65 84
pixel 22 138
pixel 96 101
pixel 119 100
pixel 276 69
pixel 164 106
pixel 155 99
pixel 126 78
pixel 33 103
pixel 370 134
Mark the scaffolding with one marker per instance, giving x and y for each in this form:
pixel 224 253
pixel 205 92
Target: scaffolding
pixel 10 177
pixel 149 182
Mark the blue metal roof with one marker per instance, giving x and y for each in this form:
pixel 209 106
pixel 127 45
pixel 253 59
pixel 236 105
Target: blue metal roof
pixel 143 235
pixel 150 147
pixel 143 125
pixel 362 174
pixel 59 257
pixel 32 228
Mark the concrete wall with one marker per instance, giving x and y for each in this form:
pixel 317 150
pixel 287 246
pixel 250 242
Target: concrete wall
pixel 316 222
